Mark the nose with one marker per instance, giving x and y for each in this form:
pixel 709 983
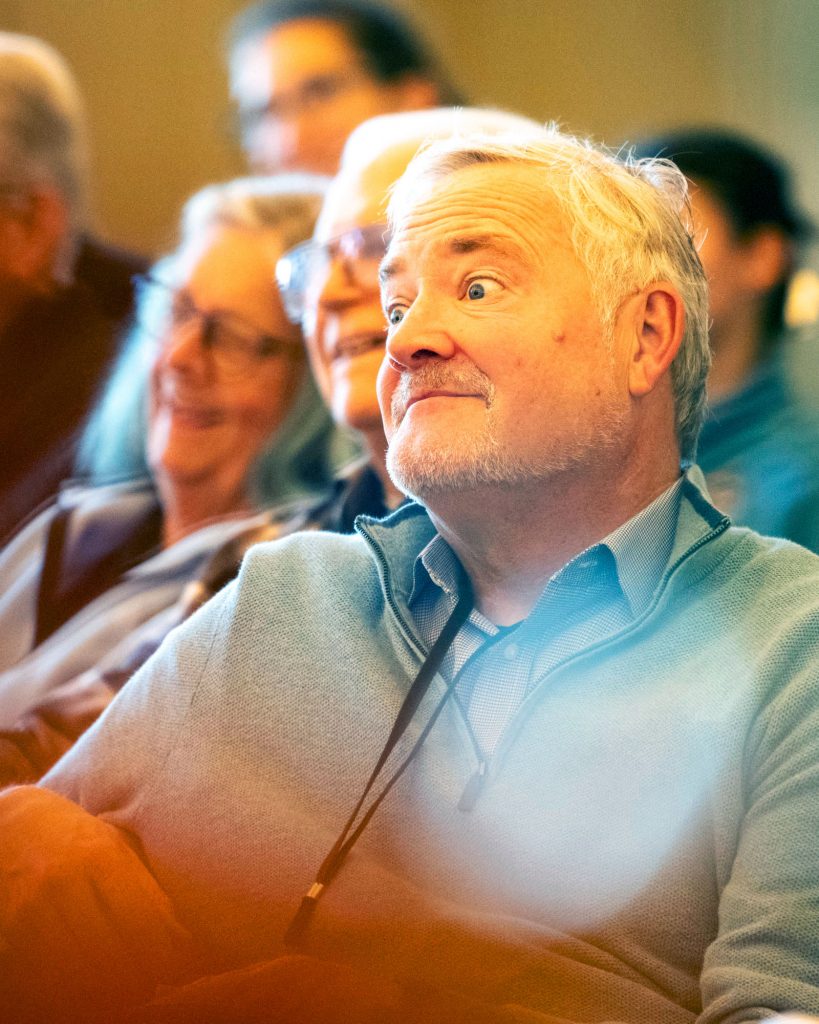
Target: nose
pixel 422 335
pixel 343 285
pixel 276 144
pixel 183 348
pixel 289 143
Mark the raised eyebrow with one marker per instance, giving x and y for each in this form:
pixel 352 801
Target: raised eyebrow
pixel 463 244
pixel 458 246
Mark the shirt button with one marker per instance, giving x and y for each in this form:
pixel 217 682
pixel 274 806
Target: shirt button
pixel 511 652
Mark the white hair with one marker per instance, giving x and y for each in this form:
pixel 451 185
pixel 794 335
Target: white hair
pixel 410 129
pixel 43 133
pixel 286 203
pixel 629 222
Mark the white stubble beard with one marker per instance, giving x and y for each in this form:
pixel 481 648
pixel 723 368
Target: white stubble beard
pixel 459 463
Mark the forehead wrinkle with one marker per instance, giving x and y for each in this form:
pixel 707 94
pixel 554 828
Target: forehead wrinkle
pixel 506 201
pixel 514 225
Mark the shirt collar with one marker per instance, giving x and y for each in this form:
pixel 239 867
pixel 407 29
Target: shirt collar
pixel 640 548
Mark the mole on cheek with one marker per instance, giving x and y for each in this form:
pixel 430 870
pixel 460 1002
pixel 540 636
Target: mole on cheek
pixel 558 337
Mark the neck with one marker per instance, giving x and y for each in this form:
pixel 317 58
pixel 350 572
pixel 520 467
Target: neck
pixel 187 508
pixel 511 540
pixel 737 350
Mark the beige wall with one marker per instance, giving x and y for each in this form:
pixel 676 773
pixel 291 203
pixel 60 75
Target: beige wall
pixel 156 90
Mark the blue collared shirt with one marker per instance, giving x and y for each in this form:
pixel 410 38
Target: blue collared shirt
pixel 597 593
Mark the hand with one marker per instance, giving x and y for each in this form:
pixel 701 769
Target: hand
pixel 85 927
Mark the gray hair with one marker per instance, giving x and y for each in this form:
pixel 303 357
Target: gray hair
pixel 409 129
pixel 307 447
pixel 630 225
pixel 43 134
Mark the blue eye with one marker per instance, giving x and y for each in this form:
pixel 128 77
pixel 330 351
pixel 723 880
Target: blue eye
pixel 395 316
pixel 476 290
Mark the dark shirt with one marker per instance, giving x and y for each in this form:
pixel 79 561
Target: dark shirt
pixel 54 356
pixel 759 450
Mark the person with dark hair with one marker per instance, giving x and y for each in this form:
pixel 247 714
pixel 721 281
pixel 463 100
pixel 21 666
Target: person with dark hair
pixel 304 73
pixel 759 446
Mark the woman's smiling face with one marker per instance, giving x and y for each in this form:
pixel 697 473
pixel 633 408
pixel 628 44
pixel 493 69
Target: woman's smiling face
pixel 210 420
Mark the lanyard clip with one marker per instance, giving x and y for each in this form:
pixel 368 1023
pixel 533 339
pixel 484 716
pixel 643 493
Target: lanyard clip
pixel 296 928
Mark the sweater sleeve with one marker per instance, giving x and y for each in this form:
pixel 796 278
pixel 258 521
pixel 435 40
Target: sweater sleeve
pixel 144 720
pixel 765 958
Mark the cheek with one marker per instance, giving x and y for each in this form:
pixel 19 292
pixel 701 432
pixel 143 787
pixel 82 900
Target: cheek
pixel 319 365
pixel 265 400
pixel 153 401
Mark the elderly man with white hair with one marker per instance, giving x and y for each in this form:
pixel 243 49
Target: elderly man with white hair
pixel 63 295
pixel 538 746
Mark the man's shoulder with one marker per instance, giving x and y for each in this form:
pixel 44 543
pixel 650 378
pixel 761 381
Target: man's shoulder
pixel 379 555
pixel 777 577
pixel 315 551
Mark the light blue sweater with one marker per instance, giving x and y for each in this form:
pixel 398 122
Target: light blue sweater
pixel 644 848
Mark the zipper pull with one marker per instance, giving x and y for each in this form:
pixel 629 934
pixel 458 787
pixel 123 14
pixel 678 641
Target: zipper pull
pixel 473 788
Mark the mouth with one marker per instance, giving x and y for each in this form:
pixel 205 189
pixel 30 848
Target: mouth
pixel 422 396
pixel 192 415
pixel 357 344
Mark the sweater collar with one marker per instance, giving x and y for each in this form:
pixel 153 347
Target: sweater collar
pixel 397 540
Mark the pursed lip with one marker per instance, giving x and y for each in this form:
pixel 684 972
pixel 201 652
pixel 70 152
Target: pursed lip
pixel 422 394
pixel 359 343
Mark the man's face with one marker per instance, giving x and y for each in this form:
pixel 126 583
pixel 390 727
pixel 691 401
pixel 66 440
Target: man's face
pixel 737 271
pixel 33 225
pixel 497 367
pixel 301 89
pixel 345 327
pixel 722 257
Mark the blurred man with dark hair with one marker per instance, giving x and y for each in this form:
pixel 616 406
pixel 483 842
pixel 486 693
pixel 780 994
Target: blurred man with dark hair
pixel 304 73
pixel 758 447
pixel 62 294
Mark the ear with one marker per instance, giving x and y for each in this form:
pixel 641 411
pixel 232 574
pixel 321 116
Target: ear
pixel 415 93
pixel 657 330
pixel 34 228
pixel 767 259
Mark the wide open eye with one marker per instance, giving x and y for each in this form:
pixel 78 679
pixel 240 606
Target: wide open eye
pixel 481 288
pixel 395 315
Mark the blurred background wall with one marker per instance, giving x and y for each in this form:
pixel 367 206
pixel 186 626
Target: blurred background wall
pixel 155 84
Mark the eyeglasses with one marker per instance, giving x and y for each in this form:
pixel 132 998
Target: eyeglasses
pixel 306 267
pixel 234 344
pixel 310 96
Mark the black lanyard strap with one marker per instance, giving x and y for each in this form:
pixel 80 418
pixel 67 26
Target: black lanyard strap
pixel 347 839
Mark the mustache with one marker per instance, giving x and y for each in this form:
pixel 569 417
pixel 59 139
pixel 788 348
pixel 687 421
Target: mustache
pixel 462 379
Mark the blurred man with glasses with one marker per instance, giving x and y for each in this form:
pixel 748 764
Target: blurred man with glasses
pixel 304 73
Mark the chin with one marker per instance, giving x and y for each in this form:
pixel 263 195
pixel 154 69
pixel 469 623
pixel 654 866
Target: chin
pixel 425 472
